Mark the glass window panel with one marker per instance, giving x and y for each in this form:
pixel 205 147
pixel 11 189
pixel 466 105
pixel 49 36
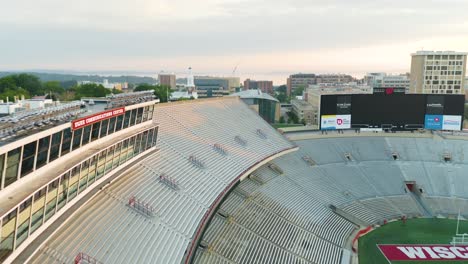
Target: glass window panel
pixel 111 125
pixel 55 146
pixel 73 191
pixel 2 160
pixel 104 125
pixel 133 118
pixel 95 131
pixel 86 135
pixel 7 235
pixel 145 113
pixel 42 152
pixel 77 138
pixel 139 115
pixel 127 119
pixel 67 135
pixel 27 166
pixel 118 126
pixel 150 139
pixel 13 158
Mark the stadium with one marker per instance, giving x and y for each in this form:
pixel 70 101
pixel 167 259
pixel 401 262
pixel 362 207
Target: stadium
pixel 210 181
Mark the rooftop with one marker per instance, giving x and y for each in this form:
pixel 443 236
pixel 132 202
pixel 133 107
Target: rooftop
pixel 431 52
pixel 254 94
pixel 16 126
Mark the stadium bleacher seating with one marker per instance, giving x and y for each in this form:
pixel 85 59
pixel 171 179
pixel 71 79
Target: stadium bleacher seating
pixel 281 213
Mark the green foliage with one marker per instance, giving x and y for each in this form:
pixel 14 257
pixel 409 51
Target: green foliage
pixel 281 120
pixel 53 87
pixel 10 94
pixel 115 91
pixel 160 91
pixel 90 90
pixel 292 117
pixel 30 83
pixel 303 121
pixel 19 84
pixel 298 91
pixel 282 89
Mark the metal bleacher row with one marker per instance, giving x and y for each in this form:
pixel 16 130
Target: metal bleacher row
pixel 111 231
pixel 288 215
pixel 281 213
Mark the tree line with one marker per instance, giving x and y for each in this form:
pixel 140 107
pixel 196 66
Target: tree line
pixel 28 85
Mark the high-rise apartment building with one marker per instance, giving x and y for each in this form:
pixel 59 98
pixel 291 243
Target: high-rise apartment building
pixel 167 80
pixel 264 86
pixel 438 72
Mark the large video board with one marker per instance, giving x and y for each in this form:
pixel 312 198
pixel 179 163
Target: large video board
pixel 392 112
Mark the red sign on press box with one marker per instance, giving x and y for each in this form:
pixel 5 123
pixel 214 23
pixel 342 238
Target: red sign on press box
pixel 424 252
pixel 79 123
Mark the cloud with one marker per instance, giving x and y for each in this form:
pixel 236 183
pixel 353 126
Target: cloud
pixel 150 34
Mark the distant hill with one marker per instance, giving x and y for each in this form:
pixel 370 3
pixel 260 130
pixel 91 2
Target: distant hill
pixel 94 78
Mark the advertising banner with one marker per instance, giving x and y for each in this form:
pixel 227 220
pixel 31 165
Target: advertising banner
pixel 82 122
pixel 335 122
pixel 451 122
pixel 433 122
pixel 424 252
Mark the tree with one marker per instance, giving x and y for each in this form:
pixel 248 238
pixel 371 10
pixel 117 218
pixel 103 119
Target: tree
pixel 90 90
pixel 7 83
pixel 303 121
pixel 160 91
pixel 10 94
pixel 292 117
pixel 115 91
pixel 282 89
pixel 53 87
pixel 298 91
pixel 29 82
pixel 281 119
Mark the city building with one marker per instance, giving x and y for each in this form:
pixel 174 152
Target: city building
pixel 207 86
pixel 303 80
pixel 335 78
pixel 439 72
pixel 264 104
pixel 382 80
pixel 264 86
pixel 168 80
pixel 305 111
pixel 313 94
pixel 19 105
pixel 295 81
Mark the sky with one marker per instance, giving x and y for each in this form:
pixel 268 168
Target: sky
pixel 260 39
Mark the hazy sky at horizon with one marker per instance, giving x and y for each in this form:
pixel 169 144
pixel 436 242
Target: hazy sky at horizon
pixel 267 39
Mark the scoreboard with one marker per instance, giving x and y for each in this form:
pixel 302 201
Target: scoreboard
pixel 397 111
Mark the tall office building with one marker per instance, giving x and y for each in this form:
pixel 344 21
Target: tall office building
pixel 168 80
pixel 438 72
pixel 264 86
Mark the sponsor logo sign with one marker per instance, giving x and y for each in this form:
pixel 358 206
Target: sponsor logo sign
pixel 424 252
pixel 335 122
pixel 82 122
pixel 451 122
pixel 433 122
